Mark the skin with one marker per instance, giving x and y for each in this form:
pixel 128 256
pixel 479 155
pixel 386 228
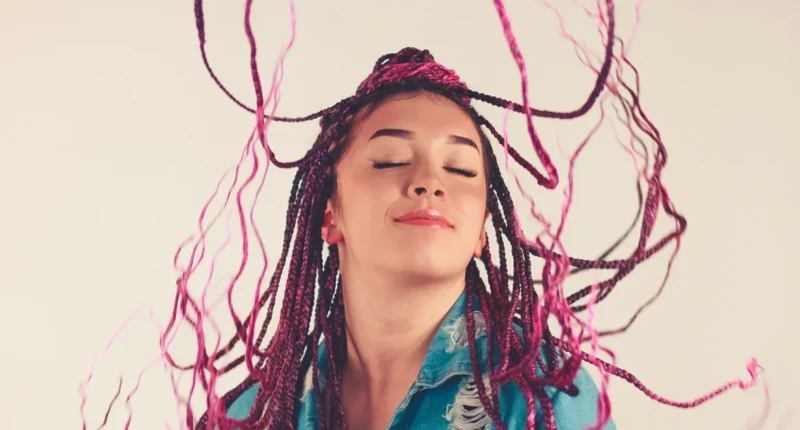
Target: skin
pixel 400 280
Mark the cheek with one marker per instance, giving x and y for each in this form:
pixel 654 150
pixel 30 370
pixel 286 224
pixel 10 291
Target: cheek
pixel 365 200
pixel 471 202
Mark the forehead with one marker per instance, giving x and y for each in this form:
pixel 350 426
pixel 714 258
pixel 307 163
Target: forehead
pixel 421 113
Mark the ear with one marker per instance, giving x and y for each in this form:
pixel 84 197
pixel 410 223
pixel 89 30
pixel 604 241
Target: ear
pixel 482 239
pixel 481 243
pixel 331 233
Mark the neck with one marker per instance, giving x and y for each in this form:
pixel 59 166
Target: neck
pixel 391 322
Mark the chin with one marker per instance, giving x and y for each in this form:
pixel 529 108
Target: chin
pixel 429 265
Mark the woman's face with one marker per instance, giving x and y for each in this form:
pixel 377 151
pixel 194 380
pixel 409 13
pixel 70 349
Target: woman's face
pixel 411 190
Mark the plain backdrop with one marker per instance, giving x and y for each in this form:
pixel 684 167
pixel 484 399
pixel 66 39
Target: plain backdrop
pixel 112 136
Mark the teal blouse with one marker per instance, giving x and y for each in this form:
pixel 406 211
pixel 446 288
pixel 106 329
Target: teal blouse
pixel 445 396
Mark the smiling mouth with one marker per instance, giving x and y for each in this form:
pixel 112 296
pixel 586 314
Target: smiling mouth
pixel 425 218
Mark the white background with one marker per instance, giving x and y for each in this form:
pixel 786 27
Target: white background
pixel 112 136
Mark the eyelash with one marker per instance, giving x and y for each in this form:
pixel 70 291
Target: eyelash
pixel 463 172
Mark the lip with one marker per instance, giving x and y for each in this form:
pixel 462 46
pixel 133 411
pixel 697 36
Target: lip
pixel 425 218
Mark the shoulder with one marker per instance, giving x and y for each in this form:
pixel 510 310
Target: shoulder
pixel 451 391
pixel 240 408
pixel 448 372
pixel 462 406
pixel 242 405
pixel 571 412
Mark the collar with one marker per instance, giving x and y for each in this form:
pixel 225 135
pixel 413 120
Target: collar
pixel 448 354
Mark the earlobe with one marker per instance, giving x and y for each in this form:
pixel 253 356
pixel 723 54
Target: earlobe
pixel 482 240
pixel 479 246
pixel 331 233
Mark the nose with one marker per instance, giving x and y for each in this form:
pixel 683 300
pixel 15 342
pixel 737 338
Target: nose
pixel 426 183
pixel 421 191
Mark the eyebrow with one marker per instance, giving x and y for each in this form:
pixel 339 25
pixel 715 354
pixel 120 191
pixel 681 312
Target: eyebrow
pixel 409 135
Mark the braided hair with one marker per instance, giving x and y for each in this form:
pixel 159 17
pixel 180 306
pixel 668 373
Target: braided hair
pixel 509 297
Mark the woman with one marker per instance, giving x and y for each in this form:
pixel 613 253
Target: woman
pixel 415 315
pixel 394 325
pixel 400 186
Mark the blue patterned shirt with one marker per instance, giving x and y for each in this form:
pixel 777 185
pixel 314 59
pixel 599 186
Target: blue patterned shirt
pixel 445 395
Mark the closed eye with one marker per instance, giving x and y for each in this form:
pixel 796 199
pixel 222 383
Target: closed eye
pixel 463 172
pixel 388 165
